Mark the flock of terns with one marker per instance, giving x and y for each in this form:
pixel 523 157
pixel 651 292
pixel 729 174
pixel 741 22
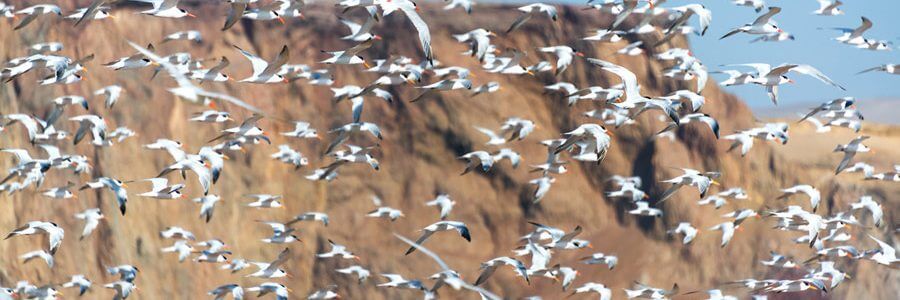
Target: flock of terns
pixel 826 236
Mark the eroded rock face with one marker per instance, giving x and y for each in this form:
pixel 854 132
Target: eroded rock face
pixel 418 160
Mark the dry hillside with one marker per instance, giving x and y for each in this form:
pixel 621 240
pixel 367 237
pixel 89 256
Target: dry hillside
pixel 418 159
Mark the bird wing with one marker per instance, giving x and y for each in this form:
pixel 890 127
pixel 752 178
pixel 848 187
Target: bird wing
pixel 713 124
pixel 780 70
pixel 732 32
pixel 160 5
pixel 866 24
pixel 359 47
pixel 229 99
pixel 668 193
pixel 235 14
pixel 282 258
pixel 279 61
pixel 372 128
pixel 463 231
pixel 519 22
pixel 218 68
pixel 848 156
pixel 705 16
pixel 627 8
pixel 425 234
pixel 90 11
pixel 870 69
pixel 815 73
pixel 487 271
pixel 671 30
pixel 628 78
pixel 158 183
pixel 353 26
pixel 25 21
pixel 764 19
pixel 422 28
pixel 203 175
pixel 571 235
pixel 258 64
pixel 886 249
pixel 761 69
pixel 89 226
pixel 772 91
pixel 702 76
pixel 357 108
pixel 490 133
pixel 445 267
pixel 563 61
pixel 184 82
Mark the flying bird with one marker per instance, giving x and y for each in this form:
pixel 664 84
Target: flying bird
pixel 762 25
pixel 54 233
pixel 266 71
pixel 530 11
pixel 850 150
pixel 442 226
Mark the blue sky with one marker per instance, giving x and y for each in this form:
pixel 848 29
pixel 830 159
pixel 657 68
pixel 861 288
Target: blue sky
pixel 812 46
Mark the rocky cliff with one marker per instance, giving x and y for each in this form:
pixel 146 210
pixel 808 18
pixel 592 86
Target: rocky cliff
pixel 418 159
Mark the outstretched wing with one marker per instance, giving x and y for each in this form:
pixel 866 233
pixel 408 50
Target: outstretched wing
pixel 258 64
pixel 184 82
pixel 419 241
pixel 90 11
pixel 866 24
pixel 422 28
pixel 815 73
pixel 764 19
pixel 237 11
pixel 222 64
pixel 519 22
pixel 484 293
pixel 282 258
pixel 279 61
pixel 848 156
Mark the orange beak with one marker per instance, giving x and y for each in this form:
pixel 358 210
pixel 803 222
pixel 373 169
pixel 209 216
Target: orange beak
pixel 280 19
pixel 191 15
